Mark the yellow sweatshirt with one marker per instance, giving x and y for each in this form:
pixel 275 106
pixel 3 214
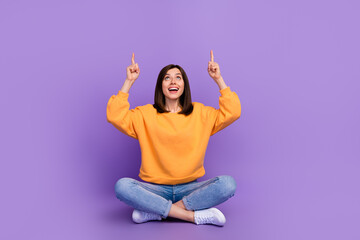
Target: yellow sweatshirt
pixel 172 145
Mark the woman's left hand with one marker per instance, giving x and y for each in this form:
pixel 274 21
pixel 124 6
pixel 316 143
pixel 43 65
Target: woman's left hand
pixel 213 68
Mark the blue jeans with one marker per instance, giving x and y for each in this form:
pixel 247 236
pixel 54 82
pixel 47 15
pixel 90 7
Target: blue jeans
pixel 158 198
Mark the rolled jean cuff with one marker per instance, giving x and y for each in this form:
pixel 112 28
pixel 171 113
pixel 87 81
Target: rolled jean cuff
pixel 167 210
pixel 186 204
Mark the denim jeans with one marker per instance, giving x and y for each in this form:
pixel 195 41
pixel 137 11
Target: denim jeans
pixel 158 198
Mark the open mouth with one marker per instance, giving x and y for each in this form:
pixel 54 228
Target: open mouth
pixel 173 89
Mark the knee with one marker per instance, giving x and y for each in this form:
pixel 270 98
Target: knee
pixel 228 185
pixel 122 187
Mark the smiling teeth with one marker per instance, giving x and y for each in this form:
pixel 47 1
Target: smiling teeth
pixel 173 89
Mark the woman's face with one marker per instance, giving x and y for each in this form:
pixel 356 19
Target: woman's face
pixel 173 84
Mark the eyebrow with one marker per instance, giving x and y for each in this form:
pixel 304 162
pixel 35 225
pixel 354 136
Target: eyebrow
pixel 175 74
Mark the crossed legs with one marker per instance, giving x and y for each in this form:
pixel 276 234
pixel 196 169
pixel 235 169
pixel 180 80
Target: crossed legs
pixel 179 211
pixel 155 198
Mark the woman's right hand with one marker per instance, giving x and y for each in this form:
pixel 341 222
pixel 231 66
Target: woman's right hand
pixel 132 71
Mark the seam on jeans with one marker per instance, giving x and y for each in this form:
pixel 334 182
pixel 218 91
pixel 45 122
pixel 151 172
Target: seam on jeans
pixel 149 189
pixel 173 193
pixel 206 184
pixel 201 186
pixel 196 189
pixel 164 194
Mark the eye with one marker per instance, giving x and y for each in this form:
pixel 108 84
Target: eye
pixel 166 78
pixel 179 77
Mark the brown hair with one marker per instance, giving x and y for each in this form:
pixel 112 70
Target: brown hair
pixel 185 98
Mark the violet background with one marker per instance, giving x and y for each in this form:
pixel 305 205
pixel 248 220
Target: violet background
pixel 294 152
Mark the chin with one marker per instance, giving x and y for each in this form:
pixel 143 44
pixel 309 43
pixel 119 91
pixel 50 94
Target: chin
pixel 174 97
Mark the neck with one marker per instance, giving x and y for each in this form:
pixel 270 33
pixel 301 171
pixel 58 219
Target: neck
pixel 172 105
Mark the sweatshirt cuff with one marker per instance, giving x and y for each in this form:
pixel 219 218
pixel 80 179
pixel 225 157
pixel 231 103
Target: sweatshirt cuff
pixel 122 94
pixel 225 91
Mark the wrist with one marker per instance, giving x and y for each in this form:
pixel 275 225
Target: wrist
pixel 218 79
pixel 126 86
pixel 221 83
pixel 129 81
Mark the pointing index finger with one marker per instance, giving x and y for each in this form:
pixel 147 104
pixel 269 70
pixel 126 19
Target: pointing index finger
pixel 211 56
pixel 133 58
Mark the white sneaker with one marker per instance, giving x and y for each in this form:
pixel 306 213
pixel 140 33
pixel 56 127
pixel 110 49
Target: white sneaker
pixel 209 216
pixel 141 217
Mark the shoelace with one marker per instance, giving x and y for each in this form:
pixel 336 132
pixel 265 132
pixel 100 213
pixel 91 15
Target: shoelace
pixel 150 215
pixel 205 218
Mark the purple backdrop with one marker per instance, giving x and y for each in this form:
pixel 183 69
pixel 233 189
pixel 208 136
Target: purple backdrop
pixel 294 152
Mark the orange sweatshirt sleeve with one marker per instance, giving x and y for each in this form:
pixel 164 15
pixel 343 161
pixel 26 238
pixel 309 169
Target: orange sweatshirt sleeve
pixel 119 115
pixel 229 110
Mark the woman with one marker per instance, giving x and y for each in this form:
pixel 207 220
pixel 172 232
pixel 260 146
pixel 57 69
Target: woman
pixel 173 134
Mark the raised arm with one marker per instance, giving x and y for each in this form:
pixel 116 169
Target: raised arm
pixel 118 108
pixel 132 73
pixel 214 72
pixel 229 103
